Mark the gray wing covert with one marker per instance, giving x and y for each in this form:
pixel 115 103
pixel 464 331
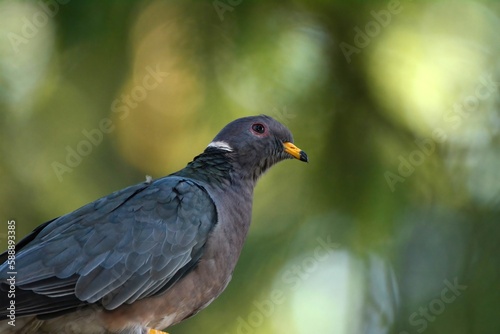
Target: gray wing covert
pixel 129 245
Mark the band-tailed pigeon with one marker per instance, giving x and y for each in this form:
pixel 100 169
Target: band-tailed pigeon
pixel 150 255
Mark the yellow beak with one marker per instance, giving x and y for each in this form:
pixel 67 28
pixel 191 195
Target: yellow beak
pixel 295 152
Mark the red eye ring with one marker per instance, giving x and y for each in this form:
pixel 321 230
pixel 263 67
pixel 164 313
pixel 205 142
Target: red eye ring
pixel 258 128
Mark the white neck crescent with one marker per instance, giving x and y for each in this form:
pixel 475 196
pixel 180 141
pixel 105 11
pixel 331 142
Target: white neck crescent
pixel 221 145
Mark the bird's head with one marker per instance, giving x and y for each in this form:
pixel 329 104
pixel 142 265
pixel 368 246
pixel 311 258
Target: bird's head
pixel 256 143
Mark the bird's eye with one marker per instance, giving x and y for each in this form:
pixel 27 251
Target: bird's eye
pixel 259 128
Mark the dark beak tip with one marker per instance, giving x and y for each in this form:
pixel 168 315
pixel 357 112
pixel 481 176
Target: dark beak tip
pixel 303 156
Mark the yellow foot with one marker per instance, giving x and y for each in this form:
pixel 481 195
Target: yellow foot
pixel 155 331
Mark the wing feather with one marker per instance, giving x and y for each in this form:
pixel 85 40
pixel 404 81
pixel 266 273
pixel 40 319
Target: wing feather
pixel 132 244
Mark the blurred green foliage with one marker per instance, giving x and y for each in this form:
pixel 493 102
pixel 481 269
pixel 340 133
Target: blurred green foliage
pixel 393 226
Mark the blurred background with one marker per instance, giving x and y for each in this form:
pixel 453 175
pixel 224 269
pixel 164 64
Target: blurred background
pixel 393 226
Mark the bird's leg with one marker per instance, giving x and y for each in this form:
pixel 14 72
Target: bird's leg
pixel 142 330
pixel 155 331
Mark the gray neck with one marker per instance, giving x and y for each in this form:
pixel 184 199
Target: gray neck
pixel 229 187
pixel 219 169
